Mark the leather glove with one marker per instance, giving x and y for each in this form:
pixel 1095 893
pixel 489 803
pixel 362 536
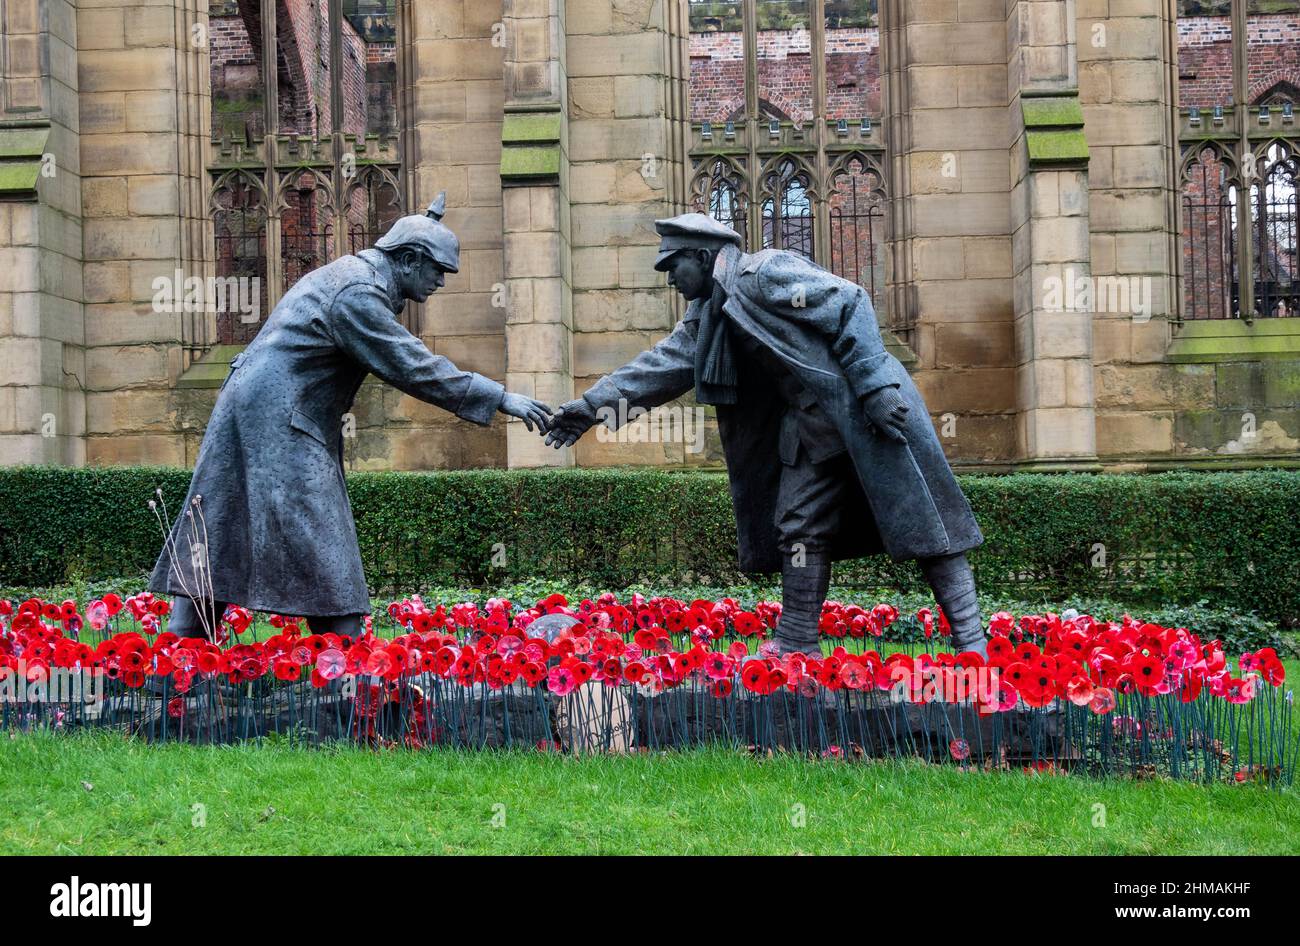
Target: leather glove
pixel 887 412
pixel 572 420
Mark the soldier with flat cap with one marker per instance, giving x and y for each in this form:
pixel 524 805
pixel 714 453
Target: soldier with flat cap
pixel 267 523
pixel 830 450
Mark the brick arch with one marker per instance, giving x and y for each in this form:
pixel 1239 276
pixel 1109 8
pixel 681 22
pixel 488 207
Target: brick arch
pixel 735 109
pixel 1284 80
pixel 779 104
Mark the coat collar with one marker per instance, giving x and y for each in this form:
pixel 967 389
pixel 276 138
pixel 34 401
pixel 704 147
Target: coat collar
pixel 728 264
pixel 383 267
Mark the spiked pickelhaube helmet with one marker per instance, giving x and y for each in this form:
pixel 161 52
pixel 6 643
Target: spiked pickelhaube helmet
pixel 426 233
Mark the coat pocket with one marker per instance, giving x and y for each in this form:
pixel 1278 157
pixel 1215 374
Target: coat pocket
pixel 308 425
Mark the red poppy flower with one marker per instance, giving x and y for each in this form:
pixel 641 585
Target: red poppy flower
pixel 679 622
pixel 1017 674
pixel 1191 689
pixel 1103 701
pixel 1079 690
pixel 209 662
pixel 1147 672
pixel 182 680
pixel 1001 651
pixel 854 676
pixel 1027 652
pixel 561 680
pixel 286 669
pixel 754 676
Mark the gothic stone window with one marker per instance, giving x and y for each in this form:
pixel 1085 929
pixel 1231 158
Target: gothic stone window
pixel 1238 74
pixel 786 138
pixel 303 161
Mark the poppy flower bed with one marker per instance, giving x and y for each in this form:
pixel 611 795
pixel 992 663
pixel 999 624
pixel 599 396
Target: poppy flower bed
pixel 1056 694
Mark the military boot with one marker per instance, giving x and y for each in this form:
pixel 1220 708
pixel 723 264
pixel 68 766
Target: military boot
pixel 953 584
pixel 803 592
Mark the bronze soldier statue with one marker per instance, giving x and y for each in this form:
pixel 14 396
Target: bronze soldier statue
pixel 830 450
pixel 267 523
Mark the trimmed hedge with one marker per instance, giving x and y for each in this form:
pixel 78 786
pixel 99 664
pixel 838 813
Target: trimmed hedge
pixel 1232 539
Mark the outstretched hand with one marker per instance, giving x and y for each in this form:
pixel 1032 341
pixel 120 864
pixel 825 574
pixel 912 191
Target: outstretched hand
pixel 527 409
pixel 572 420
pixel 887 412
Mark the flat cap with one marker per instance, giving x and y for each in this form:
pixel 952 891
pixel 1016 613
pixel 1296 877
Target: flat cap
pixel 690 231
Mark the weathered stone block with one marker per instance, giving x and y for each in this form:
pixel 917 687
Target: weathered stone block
pixel 1282 383
pixel 132 238
pixel 149 195
pixel 538 347
pixel 620 309
pixel 614 55
pixel 151 111
pixel 126 70
pixel 132 366
pixel 974 344
pixel 1239 384
pixel 596 353
pixel 974 390
pixel 591 98
pixel 972 300
pixel 135 450
pixel 595 268
pixel 1155 386
pixel 532 254
pixel 100 29
pixel 1134 433
pixel 614 225
pixel 116 412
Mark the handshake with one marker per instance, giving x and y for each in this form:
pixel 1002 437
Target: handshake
pixel 885 409
pixel 561 427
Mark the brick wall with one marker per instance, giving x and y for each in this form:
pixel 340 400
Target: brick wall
pixel 1156 403
pixel 369 74
pixel 717 81
pixel 1205 57
pixel 1205 79
pixel 369 102
pixel 1207 243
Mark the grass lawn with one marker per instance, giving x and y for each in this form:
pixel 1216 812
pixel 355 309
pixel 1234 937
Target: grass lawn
pixel 277 799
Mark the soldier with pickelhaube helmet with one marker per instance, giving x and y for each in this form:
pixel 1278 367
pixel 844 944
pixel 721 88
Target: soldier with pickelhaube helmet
pixel 830 450
pixel 427 233
pixel 267 523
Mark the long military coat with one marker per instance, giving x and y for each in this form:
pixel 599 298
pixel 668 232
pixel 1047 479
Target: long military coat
pixel 823 328
pixel 275 513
